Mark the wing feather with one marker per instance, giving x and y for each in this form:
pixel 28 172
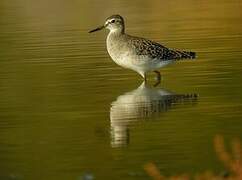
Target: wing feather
pixel 155 50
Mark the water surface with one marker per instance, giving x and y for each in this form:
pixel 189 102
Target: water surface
pixel 67 111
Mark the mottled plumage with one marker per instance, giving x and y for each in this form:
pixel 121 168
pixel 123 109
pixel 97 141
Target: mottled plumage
pixel 139 54
pixel 156 50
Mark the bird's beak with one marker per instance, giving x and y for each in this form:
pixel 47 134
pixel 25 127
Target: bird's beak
pixel 97 29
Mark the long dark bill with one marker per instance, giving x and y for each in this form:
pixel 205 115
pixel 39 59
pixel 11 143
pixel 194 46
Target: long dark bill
pixel 97 29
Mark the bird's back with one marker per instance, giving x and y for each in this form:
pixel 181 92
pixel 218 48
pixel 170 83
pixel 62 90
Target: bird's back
pixel 155 50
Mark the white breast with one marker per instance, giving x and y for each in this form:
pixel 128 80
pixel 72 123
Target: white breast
pixel 117 49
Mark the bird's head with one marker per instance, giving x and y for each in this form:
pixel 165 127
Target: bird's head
pixel 114 23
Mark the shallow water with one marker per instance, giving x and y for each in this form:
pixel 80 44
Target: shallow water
pixel 68 112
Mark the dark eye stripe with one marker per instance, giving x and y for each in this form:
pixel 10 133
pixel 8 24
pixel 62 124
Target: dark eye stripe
pixel 113 21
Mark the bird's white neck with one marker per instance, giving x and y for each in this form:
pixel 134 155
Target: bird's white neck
pixel 117 30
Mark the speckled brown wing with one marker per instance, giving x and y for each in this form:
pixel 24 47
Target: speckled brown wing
pixel 156 50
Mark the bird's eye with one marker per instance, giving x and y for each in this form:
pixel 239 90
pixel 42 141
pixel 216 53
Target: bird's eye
pixel 113 21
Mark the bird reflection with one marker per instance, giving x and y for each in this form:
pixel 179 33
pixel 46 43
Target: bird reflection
pixel 141 103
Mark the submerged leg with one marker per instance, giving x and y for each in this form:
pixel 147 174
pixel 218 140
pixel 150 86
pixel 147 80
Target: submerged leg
pixel 143 75
pixel 158 75
pixel 158 78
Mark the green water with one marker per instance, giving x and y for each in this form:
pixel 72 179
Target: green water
pixel 67 111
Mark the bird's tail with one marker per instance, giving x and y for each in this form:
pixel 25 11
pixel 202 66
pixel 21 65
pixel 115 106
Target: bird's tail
pixel 185 54
pixel 184 98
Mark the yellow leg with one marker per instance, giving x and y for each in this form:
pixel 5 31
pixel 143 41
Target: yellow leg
pixel 158 75
pixel 158 78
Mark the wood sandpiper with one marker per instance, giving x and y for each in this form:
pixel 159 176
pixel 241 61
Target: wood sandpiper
pixel 139 54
